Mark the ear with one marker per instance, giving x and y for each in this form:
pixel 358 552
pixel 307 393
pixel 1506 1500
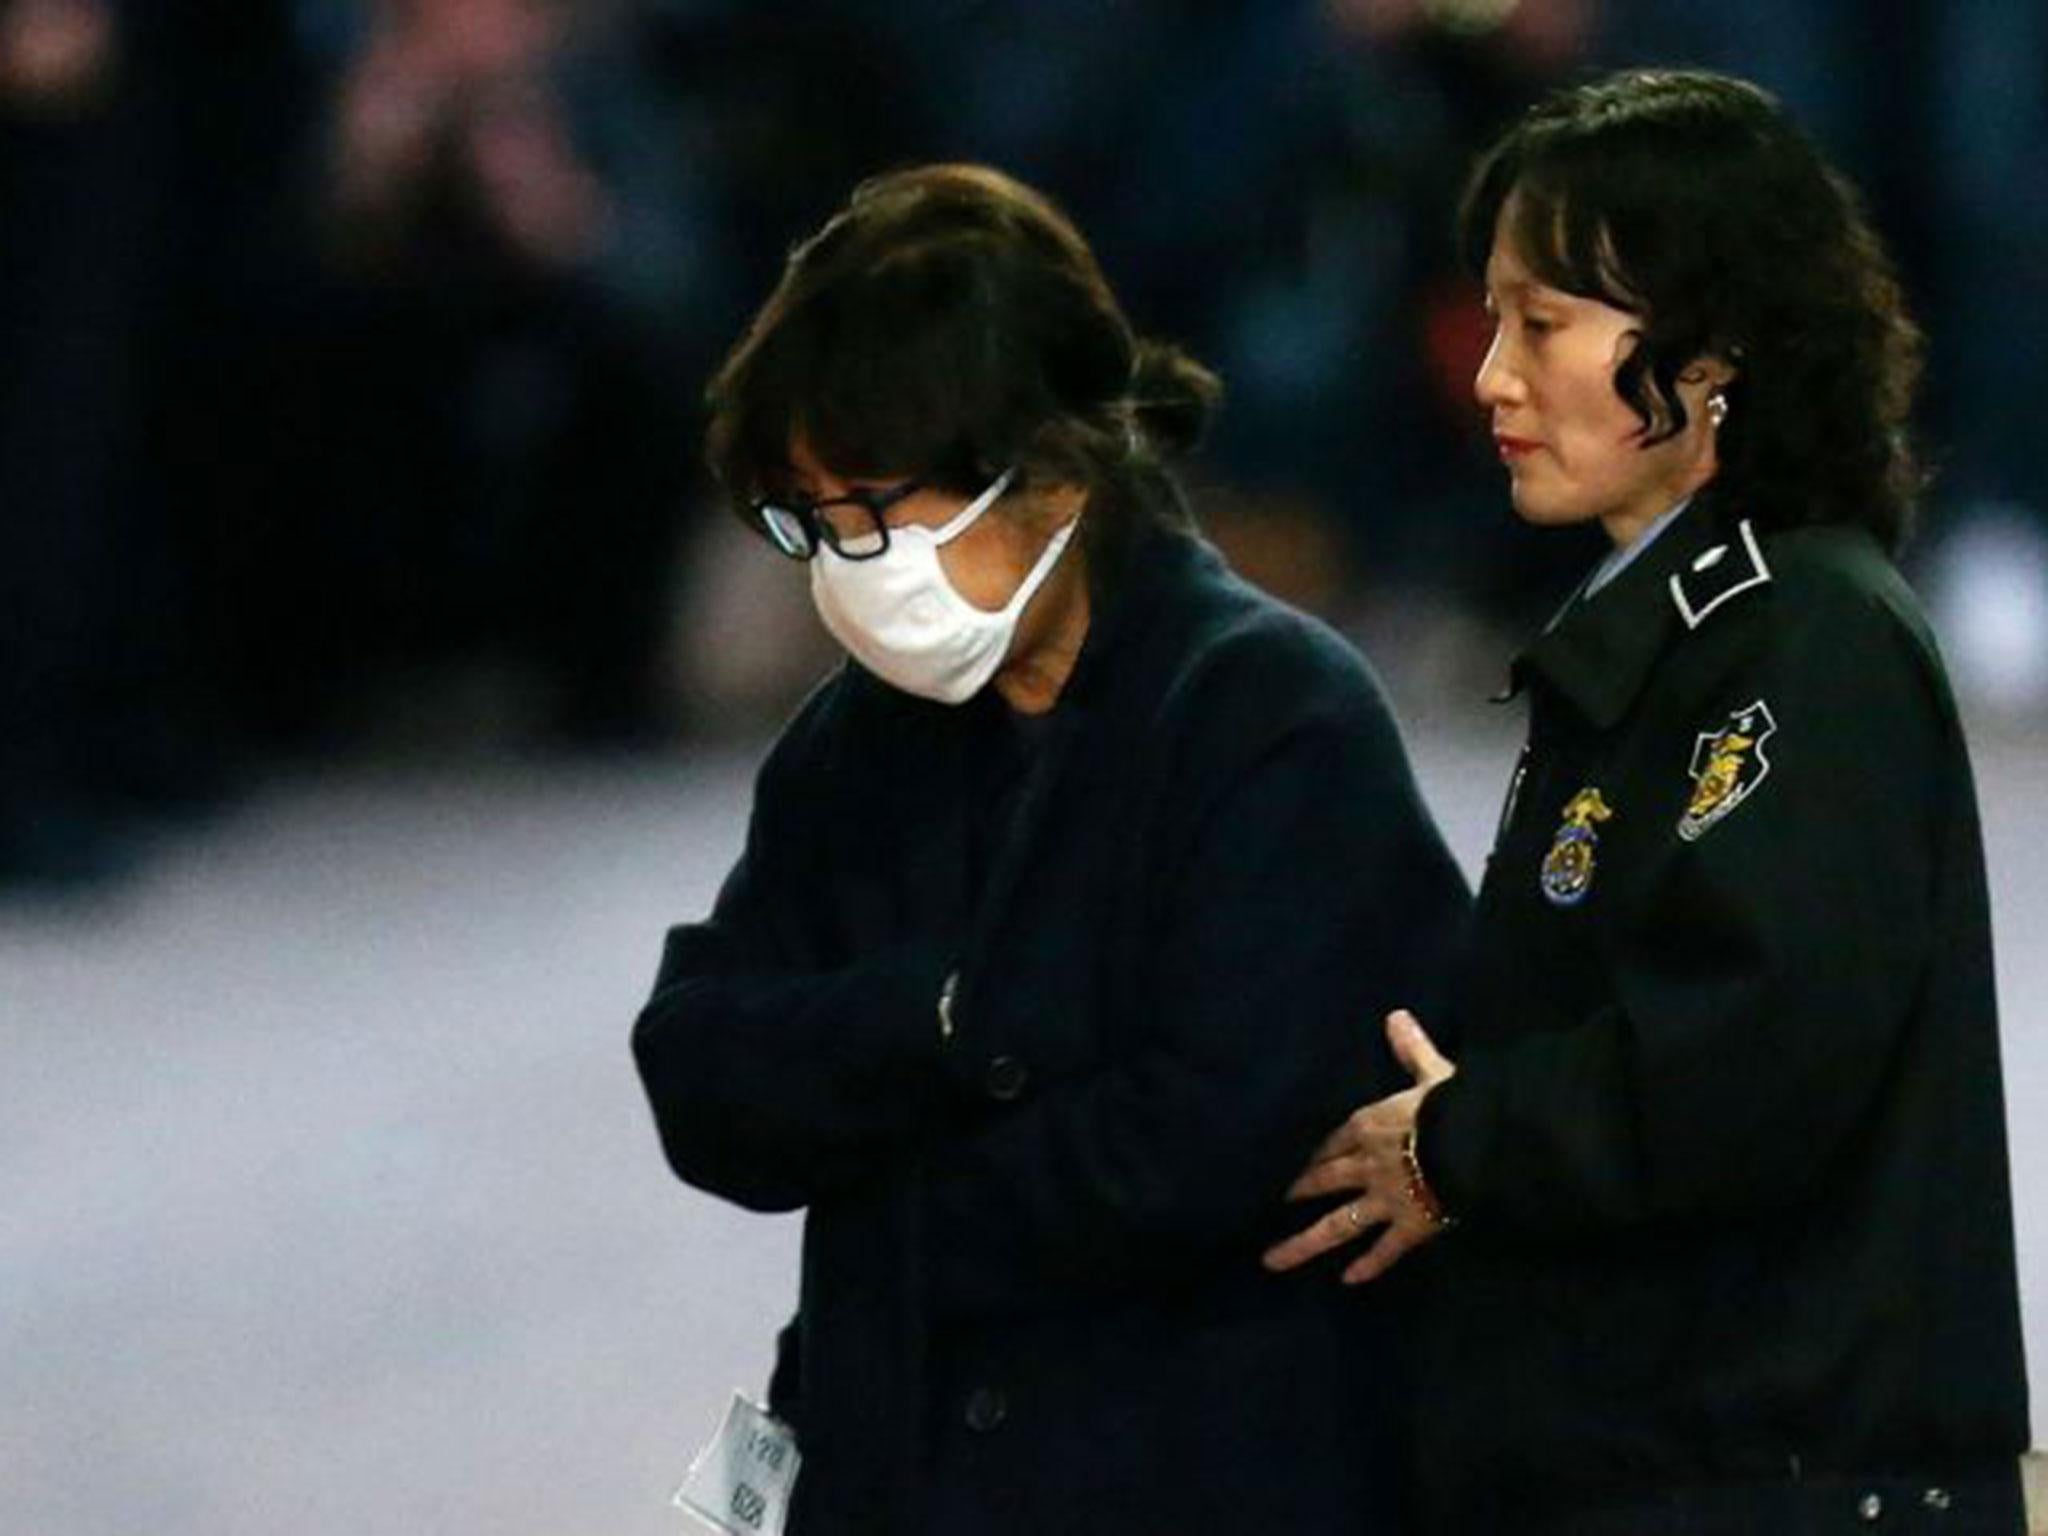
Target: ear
pixel 1709 370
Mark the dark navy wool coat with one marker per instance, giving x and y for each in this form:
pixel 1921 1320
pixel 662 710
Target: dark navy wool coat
pixel 1031 1299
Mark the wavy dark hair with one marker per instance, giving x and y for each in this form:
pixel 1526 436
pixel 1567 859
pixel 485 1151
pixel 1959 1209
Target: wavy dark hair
pixel 950 322
pixel 1691 200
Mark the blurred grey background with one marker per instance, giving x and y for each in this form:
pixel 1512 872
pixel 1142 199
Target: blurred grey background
pixel 378 679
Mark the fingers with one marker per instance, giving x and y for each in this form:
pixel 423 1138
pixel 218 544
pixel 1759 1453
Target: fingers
pixel 1336 1175
pixel 1342 1140
pixel 1392 1246
pixel 1414 1049
pixel 1343 1225
pixel 1349 1156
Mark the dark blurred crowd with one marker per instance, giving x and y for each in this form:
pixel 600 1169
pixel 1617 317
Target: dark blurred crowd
pixel 343 338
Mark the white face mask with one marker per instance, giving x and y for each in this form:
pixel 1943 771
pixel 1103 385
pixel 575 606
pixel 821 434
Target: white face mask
pixel 904 621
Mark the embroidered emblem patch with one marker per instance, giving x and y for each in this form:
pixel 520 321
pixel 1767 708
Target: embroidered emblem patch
pixel 1568 867
pixel 1727 766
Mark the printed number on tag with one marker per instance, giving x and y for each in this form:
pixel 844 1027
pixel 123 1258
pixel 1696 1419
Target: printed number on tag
pixel 742 1481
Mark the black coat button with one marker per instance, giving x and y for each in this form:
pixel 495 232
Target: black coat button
pixel 1006 1078
pixel 987 1407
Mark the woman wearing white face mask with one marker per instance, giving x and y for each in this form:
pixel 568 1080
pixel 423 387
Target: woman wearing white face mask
pixel 885 592
pixel 1043 964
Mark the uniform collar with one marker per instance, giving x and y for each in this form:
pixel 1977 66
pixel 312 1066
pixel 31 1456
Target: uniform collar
pixel 1600 650
pixel 1622 557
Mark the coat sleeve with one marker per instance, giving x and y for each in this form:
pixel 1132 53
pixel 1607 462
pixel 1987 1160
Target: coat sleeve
pixel 1761 978
pixel 1313 892
pixel 773 1081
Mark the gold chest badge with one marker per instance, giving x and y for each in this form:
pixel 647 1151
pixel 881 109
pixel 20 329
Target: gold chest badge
pixel 1568 867
pixel 1727 766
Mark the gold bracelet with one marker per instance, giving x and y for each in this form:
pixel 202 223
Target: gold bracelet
pixel 1419 1193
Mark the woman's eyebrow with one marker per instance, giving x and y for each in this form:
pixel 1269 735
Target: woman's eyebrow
pixel 1527 291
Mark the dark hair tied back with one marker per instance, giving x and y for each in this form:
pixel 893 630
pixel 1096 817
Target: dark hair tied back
pixel 1693 201
pixel 1172 397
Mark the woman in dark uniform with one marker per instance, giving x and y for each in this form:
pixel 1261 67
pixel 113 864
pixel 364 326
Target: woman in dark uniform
pixel 1718 1181
pixel 1041 969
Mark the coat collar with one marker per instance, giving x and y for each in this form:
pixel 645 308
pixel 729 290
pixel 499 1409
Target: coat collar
pixel 1600 651
pixel 1076 744
pixel 1157 559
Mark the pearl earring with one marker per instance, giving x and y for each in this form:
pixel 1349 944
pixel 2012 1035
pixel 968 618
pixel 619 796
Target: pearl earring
pixel 1717 407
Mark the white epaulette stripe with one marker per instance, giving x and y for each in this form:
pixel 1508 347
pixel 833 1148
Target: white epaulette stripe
pixel 1759 574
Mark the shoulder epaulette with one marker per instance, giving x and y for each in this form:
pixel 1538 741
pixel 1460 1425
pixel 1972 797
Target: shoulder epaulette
pixel 1717 574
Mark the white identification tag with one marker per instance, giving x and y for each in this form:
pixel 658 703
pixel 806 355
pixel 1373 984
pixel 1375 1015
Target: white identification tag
pixel 742 1481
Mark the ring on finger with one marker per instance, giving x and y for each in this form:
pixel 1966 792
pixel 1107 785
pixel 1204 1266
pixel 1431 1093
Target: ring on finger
pixel 1355 1216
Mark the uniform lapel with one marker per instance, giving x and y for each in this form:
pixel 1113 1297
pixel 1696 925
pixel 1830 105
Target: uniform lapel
pixel 1600 651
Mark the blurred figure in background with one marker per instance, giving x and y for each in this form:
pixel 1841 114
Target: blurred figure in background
pixel 1986 96
pixel 477 407
pixel 79 273
pixel 352 346
pixel 56 64
pixel 1384 318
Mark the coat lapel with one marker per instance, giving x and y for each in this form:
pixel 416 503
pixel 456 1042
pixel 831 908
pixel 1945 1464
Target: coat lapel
pixel 1038 802
pixel 898 824
pixel 933 817
pixel 1082 731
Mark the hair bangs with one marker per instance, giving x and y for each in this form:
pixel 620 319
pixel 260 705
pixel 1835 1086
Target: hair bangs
pixel 902 375
pixel 1569 241
pixel 875 375
pixel 1565 215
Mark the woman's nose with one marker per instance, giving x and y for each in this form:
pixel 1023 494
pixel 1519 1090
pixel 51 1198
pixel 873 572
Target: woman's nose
pixel 1496 383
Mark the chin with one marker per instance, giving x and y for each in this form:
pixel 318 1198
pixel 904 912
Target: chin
pixel 1547 511
pixel 1537 511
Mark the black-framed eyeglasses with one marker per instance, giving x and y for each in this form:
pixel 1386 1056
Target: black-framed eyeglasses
pixel 852 526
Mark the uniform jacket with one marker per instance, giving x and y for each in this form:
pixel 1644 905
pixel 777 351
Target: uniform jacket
pixel 1031 1300
pixel 1728 1135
